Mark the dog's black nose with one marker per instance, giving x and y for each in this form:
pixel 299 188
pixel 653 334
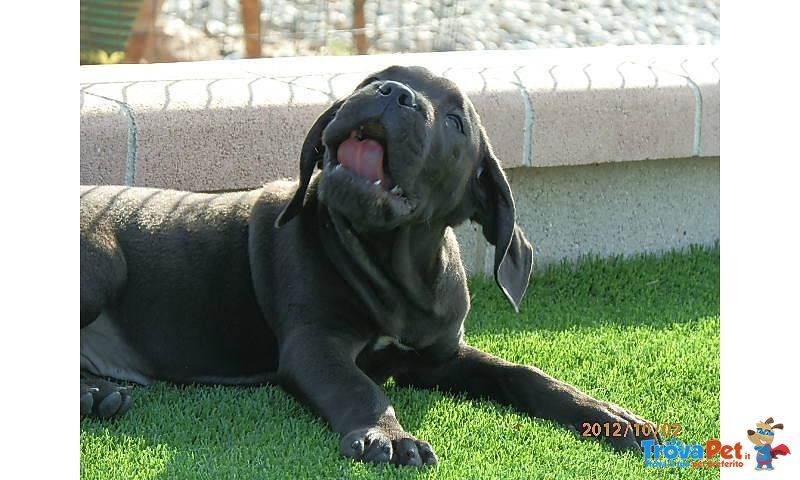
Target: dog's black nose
pixel 404 95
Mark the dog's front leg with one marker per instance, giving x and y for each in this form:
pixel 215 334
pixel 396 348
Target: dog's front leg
pixel 482 375
pixel 319 369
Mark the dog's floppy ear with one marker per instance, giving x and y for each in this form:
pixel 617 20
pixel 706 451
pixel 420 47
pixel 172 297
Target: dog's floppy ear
pixel 310 156
pixel 513 255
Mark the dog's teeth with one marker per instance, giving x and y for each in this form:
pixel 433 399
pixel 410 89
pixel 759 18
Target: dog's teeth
pixel 376 182
pixel 397 190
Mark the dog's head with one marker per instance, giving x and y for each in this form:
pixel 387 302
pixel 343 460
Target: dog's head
pixel 764 433
pixel 408 147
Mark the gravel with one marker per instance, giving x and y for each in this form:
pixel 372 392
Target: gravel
pixel 308 27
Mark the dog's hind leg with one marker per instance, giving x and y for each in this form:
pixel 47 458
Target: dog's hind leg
pixel 101 398
pixel 103 273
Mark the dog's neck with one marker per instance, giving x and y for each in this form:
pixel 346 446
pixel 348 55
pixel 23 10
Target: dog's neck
pixel 409 253
pixel 394 273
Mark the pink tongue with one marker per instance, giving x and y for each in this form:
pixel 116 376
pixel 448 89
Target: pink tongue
pixel 364 157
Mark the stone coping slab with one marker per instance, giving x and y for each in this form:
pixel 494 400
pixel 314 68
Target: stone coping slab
pixel 240 123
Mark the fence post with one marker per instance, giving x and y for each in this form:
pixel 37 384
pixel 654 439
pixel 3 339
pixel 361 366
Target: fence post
pixel 251 18
pixel 142 37
pixel 359 36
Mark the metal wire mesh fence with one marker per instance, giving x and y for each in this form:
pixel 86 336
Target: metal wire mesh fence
pixel 302 27
pixel 211 29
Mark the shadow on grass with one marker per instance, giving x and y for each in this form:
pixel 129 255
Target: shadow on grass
pixel 645 290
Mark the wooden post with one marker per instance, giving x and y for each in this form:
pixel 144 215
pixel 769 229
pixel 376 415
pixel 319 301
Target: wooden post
pixel 251 18
pixel 360 37
pixel 142 39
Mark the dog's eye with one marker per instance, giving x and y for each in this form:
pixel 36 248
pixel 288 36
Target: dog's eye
pixel 454 120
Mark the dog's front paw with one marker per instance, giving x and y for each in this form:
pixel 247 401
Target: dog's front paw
pixel 620 427
pixel 375 445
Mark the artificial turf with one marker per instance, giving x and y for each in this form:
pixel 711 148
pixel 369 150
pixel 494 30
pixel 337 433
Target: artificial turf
pixel 641 332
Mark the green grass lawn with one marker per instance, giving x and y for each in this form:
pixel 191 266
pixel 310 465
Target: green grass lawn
pixel 643 333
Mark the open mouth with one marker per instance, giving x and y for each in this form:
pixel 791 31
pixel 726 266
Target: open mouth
pixel 358 180
pixel 364 153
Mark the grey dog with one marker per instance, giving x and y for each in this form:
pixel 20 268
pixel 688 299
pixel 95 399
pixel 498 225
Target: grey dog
pixel 326 287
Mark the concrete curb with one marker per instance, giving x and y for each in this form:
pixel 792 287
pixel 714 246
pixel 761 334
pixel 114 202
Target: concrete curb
pixel 234 124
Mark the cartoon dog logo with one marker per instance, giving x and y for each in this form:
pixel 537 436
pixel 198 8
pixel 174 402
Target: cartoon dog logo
pixel 763 438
